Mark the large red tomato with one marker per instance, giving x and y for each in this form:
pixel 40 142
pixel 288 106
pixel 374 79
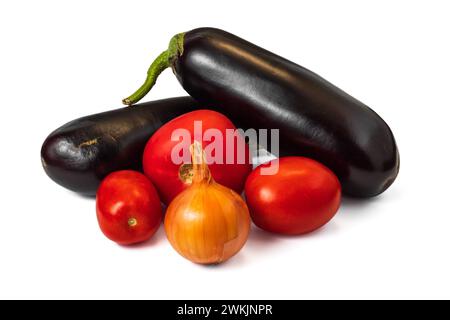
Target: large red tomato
pixel 171 178
pixel 128 207
pixel 301 197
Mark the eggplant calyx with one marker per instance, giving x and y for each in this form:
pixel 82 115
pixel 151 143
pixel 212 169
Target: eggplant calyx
pixel 162 62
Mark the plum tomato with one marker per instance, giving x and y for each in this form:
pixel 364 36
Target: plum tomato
pixel 301 197
pixel 230 167
pixel 128 207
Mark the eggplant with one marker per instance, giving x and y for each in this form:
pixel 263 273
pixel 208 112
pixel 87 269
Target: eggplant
pixel 82 152
pixel 258 89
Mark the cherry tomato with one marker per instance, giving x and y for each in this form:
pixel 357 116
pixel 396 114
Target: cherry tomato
pixel 128 207
pixel 301 197
pixel 171 178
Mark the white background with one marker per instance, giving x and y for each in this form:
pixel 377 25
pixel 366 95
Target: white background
pixel 60 60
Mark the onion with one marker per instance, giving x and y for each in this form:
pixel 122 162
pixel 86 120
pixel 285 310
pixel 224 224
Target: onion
pixel 207 223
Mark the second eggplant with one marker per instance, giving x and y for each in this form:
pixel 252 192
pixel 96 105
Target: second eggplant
pixel 258 89
pixel 79 154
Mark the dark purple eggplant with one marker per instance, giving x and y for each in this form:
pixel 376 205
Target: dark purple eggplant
pixel 81 153
pixel 258 89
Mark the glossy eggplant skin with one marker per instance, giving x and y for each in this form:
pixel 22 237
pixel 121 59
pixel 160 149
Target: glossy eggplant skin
pixel 82 152
pixel 258 89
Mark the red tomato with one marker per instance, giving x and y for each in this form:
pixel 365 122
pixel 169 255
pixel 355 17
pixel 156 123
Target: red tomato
pixel 128 207
pixel 303 196
pixel 171 178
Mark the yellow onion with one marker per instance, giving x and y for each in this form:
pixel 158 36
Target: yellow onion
pixel 206 223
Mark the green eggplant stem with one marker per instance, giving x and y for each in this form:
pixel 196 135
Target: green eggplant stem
pixel 162 62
